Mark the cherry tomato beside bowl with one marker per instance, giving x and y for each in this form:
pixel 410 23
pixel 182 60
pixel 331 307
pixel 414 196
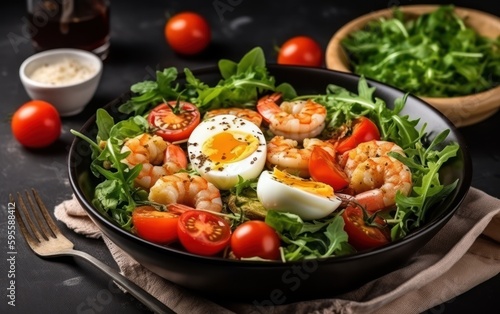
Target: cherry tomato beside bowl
pixel 36 124
pixel 154 225
pixel 187 33
pixel 361 235
pixel 174 120
pixel 301 50
pixel 203 233
pixel 255 238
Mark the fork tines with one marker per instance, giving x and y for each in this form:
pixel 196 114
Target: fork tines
pixel 42 227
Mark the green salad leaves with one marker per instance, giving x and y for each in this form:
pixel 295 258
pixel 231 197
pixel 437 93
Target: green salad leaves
pixel 116 195
pixel 240 85
pixel 434 55
pixel 315 239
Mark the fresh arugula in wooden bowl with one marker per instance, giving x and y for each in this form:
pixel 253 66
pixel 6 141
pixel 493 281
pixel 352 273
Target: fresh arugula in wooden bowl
pixel 450 57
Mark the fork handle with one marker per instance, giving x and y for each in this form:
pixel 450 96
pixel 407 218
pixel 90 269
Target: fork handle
pixel 140 294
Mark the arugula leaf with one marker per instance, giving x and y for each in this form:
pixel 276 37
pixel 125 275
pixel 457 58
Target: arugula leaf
pixel 116 195
pixel 149 93
pixel 241 83
pixel 310 239
pixel 227 68
pixel 412 210
pixel 104 123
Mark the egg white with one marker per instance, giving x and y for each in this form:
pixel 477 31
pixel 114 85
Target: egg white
pixel 225 175
pixel 276 195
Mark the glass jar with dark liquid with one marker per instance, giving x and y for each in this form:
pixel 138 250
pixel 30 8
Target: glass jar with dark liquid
pixel 81 24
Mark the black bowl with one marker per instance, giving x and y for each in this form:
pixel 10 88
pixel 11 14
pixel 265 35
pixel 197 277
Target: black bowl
pixel 276 282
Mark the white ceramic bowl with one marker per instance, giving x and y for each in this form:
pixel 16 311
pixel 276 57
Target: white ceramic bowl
pixel 69 97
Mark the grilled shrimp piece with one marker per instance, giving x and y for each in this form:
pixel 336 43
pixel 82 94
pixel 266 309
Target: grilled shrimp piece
pixel 374 176
pixel 243 113
pixel 296 120
pixel 182 188
pixel 158 158
pixel 287 155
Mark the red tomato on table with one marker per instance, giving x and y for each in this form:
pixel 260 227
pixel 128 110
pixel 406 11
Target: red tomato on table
pixel 324 168
pixel 203 233
pixel 361 235
pixel 188 33
pixel 255 238
pixel 36 124
pixel 174 120
pixel 301 50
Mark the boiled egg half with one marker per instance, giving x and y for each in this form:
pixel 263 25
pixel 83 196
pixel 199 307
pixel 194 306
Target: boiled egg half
pixel 224 147
pixel 281 191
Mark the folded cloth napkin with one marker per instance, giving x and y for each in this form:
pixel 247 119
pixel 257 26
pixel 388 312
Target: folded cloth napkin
pixel 464 253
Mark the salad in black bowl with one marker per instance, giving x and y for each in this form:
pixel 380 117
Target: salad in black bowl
pixel 248 179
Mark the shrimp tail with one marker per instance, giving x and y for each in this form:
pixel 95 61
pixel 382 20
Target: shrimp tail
pixel 268 105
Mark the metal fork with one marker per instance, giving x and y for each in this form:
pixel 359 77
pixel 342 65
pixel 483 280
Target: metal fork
pixel 46 240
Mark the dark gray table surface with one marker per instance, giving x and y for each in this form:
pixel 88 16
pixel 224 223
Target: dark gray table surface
pixel 138 47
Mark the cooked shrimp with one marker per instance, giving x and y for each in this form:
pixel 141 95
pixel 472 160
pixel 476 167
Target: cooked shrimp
pixel 182 188
pixel 287 155
pixel 243 113
pixel 296 120
pixel 374 176
pixel 363 151
pixel 158 158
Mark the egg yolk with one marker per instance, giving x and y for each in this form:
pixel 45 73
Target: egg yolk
pixel 317 188
pixel 230 146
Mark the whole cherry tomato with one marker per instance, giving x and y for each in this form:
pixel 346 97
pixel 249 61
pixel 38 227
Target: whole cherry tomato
pixel 188 33
pixel 324 168
pixel 36 124
pixel 203 233
pixel 361 235
pixel 301 50
pixel 154 225
pixel 255 238
pixel 174 120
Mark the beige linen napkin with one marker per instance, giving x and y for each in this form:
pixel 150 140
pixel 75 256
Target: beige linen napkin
pixel 463 254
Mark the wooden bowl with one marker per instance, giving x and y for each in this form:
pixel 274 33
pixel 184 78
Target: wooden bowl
pixel 462 110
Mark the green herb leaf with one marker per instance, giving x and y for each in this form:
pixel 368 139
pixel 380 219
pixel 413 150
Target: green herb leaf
pixel 241 84
pixel 309 239
pixel 150 93
pixel 104 123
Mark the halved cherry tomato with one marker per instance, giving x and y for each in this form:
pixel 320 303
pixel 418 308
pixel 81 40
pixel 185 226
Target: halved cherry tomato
pixel 255 238
pixel 361 235
pixel 324 168
pixel 187 33
pixel 154 225
pixel 364 130
pixel 175 120
pixel 36 124
pixel 301 50
pixel 203 233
